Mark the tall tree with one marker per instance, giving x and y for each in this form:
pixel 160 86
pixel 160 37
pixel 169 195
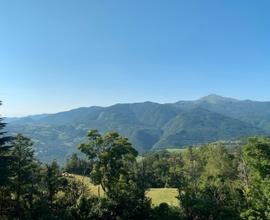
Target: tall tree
pixel 77 165
pixel 5 158
pixel 53 181
pixel 22 170
pixel 5 161
pixel 255 178
pixel 109 154
pixel 189 185
pixel 115 169
pixel 207 184
pixel 218 188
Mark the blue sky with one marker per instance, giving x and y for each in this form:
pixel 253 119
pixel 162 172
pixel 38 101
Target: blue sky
pixel 61 54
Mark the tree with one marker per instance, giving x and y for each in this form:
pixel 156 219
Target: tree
pixel 207 187
pixel 115 169
pixel 189 185
pixel 219 191
pixel 77 165
pixel 109 153
pixel 255 178
pixel 5 161
pixel 53 181
pixel 23 172
pixel 5 158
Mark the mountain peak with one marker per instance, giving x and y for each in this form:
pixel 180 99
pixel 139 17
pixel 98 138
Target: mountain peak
pixel 214 98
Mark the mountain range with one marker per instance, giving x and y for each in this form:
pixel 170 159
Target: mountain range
pixel 148 125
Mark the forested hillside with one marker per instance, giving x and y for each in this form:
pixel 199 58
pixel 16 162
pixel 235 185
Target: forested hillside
pixel 210 182
pixel 148 125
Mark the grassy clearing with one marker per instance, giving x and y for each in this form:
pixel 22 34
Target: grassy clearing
pixel 163 195
pixel 176 150
pixel 158 195
pixel 93 189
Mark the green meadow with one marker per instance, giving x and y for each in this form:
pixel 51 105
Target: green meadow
pixel 157 195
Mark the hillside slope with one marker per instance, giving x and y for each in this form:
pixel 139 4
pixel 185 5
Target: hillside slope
pixel 199 126
pixel 148 125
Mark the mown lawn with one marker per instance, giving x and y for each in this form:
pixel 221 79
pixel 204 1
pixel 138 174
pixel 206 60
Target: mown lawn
pixel 158 195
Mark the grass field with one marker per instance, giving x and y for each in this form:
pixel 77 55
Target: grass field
pixel 157 195
pixel 175 150
pixel 163 195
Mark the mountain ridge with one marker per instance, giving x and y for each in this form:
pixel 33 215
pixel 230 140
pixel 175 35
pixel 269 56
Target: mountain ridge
pixel 148 125
pixel 204 98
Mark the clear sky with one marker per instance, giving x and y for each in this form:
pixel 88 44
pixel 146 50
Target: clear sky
pixel 61 54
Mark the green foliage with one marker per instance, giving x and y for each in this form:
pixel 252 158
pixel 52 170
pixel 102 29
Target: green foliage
pixel 77 165
pixel 111 154
pixel 213 182
pixel 200 126
pixel 5 158
pixel 164 211
pixel 5 162
pixel 147 125
pixel 206 178
pixel 52 179
pixel 115 169
pixel 255 170
pixel 24 171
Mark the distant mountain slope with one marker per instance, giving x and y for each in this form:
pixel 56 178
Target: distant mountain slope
pixel 148 125
pixel 199 126
pixel 253 112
